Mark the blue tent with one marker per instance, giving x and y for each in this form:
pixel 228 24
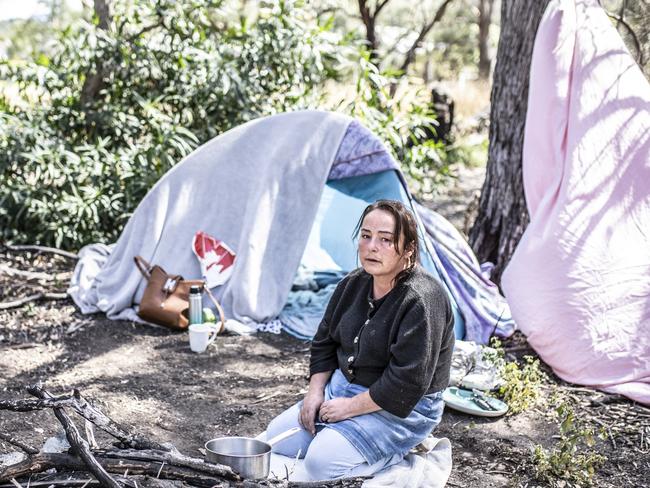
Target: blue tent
pixel 331 250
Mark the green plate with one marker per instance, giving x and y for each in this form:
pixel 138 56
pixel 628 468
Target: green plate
pixel 462 400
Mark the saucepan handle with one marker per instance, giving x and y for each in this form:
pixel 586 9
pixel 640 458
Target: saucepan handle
pixel 283 435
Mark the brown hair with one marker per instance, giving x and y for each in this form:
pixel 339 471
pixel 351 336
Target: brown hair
pixel 404 226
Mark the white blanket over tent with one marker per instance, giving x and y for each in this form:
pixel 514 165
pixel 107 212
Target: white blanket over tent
pixel 272 215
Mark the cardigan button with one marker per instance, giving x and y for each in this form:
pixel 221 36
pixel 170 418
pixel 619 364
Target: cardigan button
pixel 356 339
pixel 350 359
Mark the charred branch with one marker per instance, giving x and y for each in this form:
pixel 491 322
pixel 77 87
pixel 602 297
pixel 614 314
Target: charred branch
pixel 40 404
pixel 108 425
pixel 202 476
pixel 79 444
pixel 119 467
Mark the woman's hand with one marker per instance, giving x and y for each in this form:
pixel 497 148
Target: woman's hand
pixel 337 409
pixel 310 405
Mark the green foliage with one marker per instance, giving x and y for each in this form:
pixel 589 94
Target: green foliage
pixel 101 118
pixel 90 124
pixel 455 41
pixel 572 461
pixel 522 384
pixel 401 122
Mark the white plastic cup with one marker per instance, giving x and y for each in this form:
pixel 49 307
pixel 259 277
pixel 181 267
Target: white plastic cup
pixel 201 336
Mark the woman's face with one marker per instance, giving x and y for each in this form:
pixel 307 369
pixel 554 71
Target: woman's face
pixel 377 252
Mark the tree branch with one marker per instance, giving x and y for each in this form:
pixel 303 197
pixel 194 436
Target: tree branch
pixel 31 405
pixel 51 250
pixel 79 444
pixel 380 7
pixel 133 37
pixel 171 459
pixel 101 420
pixel 426 28
pixel 31 298
pixel 44 461
pixel 31 275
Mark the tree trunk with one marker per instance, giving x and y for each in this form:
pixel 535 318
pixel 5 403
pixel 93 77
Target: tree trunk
pixel 94 81
pixel 368 18
pixel 503 215
pixel 484 22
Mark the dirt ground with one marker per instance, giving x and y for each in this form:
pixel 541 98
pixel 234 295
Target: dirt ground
pixel 148 379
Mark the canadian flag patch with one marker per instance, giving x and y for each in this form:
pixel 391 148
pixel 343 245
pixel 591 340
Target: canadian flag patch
pixel 215 257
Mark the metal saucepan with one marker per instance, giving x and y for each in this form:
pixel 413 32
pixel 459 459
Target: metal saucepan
pixel 249 457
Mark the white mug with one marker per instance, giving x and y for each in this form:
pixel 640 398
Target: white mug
pixel 201 336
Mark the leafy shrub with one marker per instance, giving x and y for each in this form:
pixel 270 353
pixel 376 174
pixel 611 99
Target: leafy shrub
pixel 104 113
pixel 401 124
pixel 522 384
pixel 572 460
pixel 110 111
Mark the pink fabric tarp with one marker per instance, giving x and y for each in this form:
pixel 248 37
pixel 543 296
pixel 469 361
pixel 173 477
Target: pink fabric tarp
pixel 579 281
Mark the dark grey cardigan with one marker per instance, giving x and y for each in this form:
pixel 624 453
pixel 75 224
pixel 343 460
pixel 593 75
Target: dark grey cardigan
pixel 399 347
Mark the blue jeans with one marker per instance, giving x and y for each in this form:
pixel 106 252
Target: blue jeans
pixel 328 454
pixel 359 446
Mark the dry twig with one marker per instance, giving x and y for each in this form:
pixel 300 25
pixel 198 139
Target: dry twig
pixel 51 250
pixel 31 298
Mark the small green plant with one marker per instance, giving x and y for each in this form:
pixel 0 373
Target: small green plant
pixel 521 383
pixel 572 461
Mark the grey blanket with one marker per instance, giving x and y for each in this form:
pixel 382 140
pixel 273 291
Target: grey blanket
pixel 256 187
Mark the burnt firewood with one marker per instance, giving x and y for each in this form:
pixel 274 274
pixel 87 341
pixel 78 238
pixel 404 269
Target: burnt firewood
pixel 101 420
pixel 199 477
pixel 79 444
pixel 159 467
pixel 40 404
pixel 172 459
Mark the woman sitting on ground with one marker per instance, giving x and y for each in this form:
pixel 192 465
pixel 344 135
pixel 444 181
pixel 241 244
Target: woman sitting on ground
pixel 380 358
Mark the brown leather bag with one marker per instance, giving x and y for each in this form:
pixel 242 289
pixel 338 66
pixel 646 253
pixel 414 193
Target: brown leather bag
pixel 166 298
